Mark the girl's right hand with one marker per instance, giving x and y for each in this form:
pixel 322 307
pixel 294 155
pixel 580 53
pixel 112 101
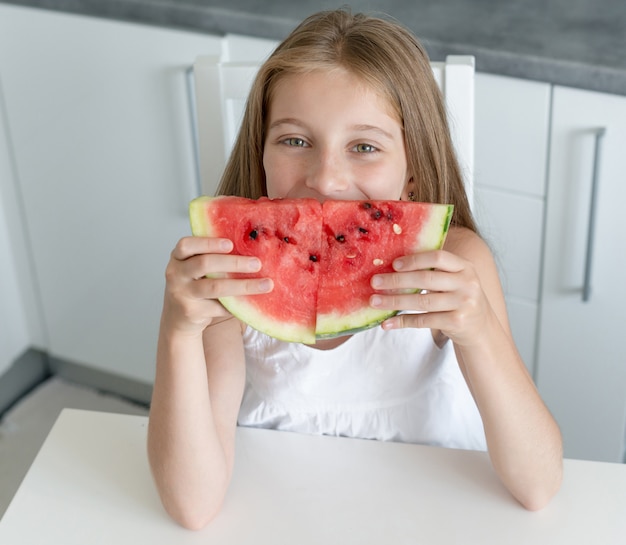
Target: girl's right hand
pixel 190 297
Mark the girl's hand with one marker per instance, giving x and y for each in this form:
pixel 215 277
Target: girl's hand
pixel 453 301
pixel 190 297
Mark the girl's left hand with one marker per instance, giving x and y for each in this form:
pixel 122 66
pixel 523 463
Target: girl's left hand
pixel 451 297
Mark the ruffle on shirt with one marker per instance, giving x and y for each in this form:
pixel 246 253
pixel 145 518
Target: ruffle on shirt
pixel 388 386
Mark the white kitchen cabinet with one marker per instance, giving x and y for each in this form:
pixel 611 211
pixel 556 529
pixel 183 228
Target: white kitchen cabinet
pixel 511 133
pixel 99 120
pixel 582 355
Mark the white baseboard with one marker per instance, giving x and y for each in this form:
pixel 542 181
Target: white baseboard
pixel 125 387
pixel 34 366
pixel 29 370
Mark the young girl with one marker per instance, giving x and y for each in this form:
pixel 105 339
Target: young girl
pixel 345 108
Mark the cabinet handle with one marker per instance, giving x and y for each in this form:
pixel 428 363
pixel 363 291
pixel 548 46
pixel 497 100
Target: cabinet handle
pixel 599 135
pixel 196 189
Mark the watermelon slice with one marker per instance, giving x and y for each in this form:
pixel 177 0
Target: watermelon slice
pixel 321 257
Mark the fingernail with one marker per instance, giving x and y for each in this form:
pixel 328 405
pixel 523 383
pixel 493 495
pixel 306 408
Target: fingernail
pixel 398 264
pixel 388 324
pixel 376 301
pixel 266 285
pixel 254 264
pixel 226 245
pixel 377 281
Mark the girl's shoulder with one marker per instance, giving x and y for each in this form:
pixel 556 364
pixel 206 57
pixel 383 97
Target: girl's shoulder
pixel 471 247
pixel 467 244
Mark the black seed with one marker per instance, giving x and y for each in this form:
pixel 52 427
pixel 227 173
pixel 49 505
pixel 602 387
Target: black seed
pixel 377 214
pixel 340 238
pixel 253 234
pixel 363 230
pixel 389 216
pixel 286 239
pixel 367 205
pixel 313 258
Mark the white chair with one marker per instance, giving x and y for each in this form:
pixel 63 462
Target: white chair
pixel 455 77
pixel 222 86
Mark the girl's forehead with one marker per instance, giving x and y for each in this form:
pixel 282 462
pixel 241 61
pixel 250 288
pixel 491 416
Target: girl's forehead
pixel 325 73
pixel 322 78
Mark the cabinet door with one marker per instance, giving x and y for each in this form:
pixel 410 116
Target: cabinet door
pixel 99 118
pixel 582 354
pixel 512 120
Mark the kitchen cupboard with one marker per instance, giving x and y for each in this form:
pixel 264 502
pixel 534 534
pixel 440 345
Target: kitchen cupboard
pixel 98 116
pixel 511 143
pixel 581 365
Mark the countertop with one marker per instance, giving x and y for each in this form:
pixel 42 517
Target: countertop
pixel 577 43
pixel 91 483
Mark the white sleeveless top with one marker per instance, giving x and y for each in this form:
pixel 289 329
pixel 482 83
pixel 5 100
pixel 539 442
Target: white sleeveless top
pixel 393 385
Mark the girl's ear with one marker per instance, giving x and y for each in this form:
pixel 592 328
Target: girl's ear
pixel 408 193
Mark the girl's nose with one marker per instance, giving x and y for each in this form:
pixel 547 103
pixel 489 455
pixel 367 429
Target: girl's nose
pixel 328 174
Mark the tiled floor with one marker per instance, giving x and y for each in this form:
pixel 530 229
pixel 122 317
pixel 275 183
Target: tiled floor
pixel 24 427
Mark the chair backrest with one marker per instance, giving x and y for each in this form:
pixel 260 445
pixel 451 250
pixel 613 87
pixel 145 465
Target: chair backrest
pixel 222 86
pixel 455 77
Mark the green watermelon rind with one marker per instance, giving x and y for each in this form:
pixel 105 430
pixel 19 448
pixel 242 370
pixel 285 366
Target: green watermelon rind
pixel 435 237
pixel 250 314
pixel 340 326
pixel 199 226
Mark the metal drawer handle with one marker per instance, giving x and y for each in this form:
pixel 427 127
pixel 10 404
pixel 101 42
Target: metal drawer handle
pixel 196 189
pixel 599 135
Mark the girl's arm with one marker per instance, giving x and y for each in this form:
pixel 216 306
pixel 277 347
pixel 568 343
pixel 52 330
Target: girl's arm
pixel 192 420
pixel 199 382
pixel 465 302
pixel 523 438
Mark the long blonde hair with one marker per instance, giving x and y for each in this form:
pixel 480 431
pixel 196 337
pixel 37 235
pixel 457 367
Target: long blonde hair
pixel 386 56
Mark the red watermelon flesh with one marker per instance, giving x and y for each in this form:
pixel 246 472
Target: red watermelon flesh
pixel 320 256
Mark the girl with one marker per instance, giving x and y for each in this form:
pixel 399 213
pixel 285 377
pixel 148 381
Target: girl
pixel 345 108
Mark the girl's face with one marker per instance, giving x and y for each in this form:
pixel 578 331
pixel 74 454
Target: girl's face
pixel 330 136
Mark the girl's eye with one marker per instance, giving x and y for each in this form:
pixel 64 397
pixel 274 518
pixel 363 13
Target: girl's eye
pixel 364 148
pixel 296 142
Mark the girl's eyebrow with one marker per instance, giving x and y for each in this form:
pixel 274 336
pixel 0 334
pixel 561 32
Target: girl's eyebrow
pixel 287 121
pixel 357 128
pixel 373 128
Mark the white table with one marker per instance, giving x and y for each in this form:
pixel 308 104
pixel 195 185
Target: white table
pixel 90 484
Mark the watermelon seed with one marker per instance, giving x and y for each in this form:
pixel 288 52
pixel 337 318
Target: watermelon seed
pixel 397 229
pixel 367 205
pixel 340 238
pixel 377 262
pixel 363 230
pixel 286 239
pixel 377 214
pixel 253 234
pixel 313 258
